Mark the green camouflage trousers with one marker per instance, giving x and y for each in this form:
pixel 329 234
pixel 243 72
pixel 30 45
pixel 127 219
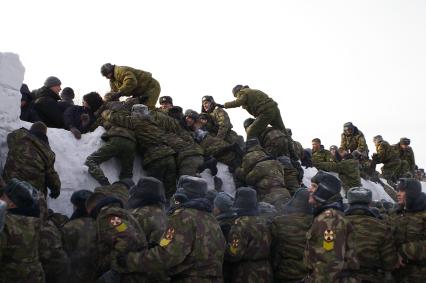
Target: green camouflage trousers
pixel 121 148
pixel 164 169
pixel 271 117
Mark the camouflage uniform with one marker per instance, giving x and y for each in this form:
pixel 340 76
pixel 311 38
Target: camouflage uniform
pixel 330 250
pixel 275 142
pixel 374 243
pixel 32 160
pixel 191 249
pixel 221 150
pixel 322 155
pixel 120 143
pixel 117 190
pixel 158 157
pixel 220 126
pixel 289 239
pixel 137 83
pixel 249 247
pixel 354 141
pixel 298 149
pixel 266 175
pixel 113 223
pixel 19 250
pixel 79 238
pixel 407 159
pixel 410 238
pixel 390 159
pixel 153 221
pixel 259 105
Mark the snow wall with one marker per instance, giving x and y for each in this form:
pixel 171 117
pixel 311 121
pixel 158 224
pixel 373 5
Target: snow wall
pixel 71 153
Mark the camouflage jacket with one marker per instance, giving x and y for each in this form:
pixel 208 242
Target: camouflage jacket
pixel 150 137
pixel 153 220
pixel 288 246
pixel 356 141
pixel 19 250
pixel 410 237
pixel 274 141
pixel 129 81
pixel 249 244
pixel 330 248
pixel 407 155
pixel 31 159
pixel 385 153
pixel 79 238
pixel 113 223
pixel 298 149
pixel 117 190
pixel 375 247
pixel 220 123
pixel 253 100
pixel 191 249
pixel 322 155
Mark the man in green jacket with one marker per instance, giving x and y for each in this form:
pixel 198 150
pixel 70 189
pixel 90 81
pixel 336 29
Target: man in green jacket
pixel 258 104
pixel 127 81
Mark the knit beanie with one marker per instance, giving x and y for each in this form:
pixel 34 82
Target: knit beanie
pixel 52 81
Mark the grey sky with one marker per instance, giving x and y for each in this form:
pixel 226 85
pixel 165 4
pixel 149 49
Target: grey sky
pixel 324 62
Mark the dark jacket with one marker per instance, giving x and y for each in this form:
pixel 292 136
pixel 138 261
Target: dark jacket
pixel 72 118
pixel 47 107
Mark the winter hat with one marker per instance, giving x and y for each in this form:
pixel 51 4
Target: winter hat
pixel 237 88
pixel 359 195
pixel 246 199
pixel 405 141
pixel 378 138
pixel 147 188
pixel 166 99
pixel 192 187
pixel 223 202
pixel 412 188
pixel 191 114
pixel 328 186
pixel 67 93
pixel 94 100
pixel 78 198
pixel 140 110
pixel 176 112
pixel 52 81
pixel 208 98
pixel 107 69
pixel 21 193
pixel 299 203
pixel 248 122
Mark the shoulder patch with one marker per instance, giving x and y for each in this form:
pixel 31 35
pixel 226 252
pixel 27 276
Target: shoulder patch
pixel 114 220
pixel 328 243
pixel 167 238
pixel 234 246
pixel 328 213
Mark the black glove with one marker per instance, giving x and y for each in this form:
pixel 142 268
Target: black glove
pixel 54 193
pixel 220 105
pixel 76 133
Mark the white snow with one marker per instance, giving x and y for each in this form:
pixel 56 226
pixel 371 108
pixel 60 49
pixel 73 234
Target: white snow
pixel 71 153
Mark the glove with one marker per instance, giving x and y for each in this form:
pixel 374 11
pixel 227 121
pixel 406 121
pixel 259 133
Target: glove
pixel 76 133
pixel 220 105
pixel 54 193
pixel 85 120
pixel 112 96
pixel 375 157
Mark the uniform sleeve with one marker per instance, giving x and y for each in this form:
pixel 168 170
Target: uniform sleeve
pixel 362 144
pixel 174 247
pixel 223 122
pixel 241 100
pixel 350 255
pixel 342 142
pixel 237 243
pixel 120 120
pixel 415 250
pixel 388 252
pixel 52 178
pixel 129 83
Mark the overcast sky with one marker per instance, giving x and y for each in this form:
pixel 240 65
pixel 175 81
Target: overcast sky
pixel 324 62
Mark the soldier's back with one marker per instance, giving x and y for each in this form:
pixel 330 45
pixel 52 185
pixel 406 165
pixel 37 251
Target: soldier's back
pixel 19 255
pixel 153 220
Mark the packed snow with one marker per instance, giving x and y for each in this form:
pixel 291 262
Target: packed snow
pixel 71 153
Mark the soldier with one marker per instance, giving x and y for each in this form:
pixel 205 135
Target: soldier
pixel 114 224
pixel 219 124
pixel 265 174
pixel 19 241
pixel 410 231
pixel 264 109
pixel 353 139
pixel 293 176
pixel 120 142
pixel 30 158
pixel 334 150
pixel 297 146
pixel 119 189
pixel 330 251
pixel 192 248
pixel 319 153
pixel 146 204
pixel 373 238
pixel 166 103
pixel 289 239
pixel 406 154
pixel 158 157
pixel 80 238
pixel 389 157
pixel 249 240
pixel 126 81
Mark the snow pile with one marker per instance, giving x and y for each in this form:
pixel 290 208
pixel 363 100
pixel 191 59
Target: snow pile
pixel 71 153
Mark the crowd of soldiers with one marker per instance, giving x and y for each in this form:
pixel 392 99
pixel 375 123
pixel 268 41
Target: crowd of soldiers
pixel 169 227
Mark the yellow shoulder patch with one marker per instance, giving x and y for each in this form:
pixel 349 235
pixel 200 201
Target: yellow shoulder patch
pixel 167 238
pixel 121 228
pixel 328 243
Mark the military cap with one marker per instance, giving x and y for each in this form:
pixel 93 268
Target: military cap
pixel 78 198
pixel 192 187
pixel 208 98
pixel 378 138
pixel 248 122
pixel 166 99
pixel 106 69
pixel 328 186
pixel 21 193
pixel 299 203
pixel 246 199
pixel 405 141
pixel 359 195
pixel 223 202
pixel 147 188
